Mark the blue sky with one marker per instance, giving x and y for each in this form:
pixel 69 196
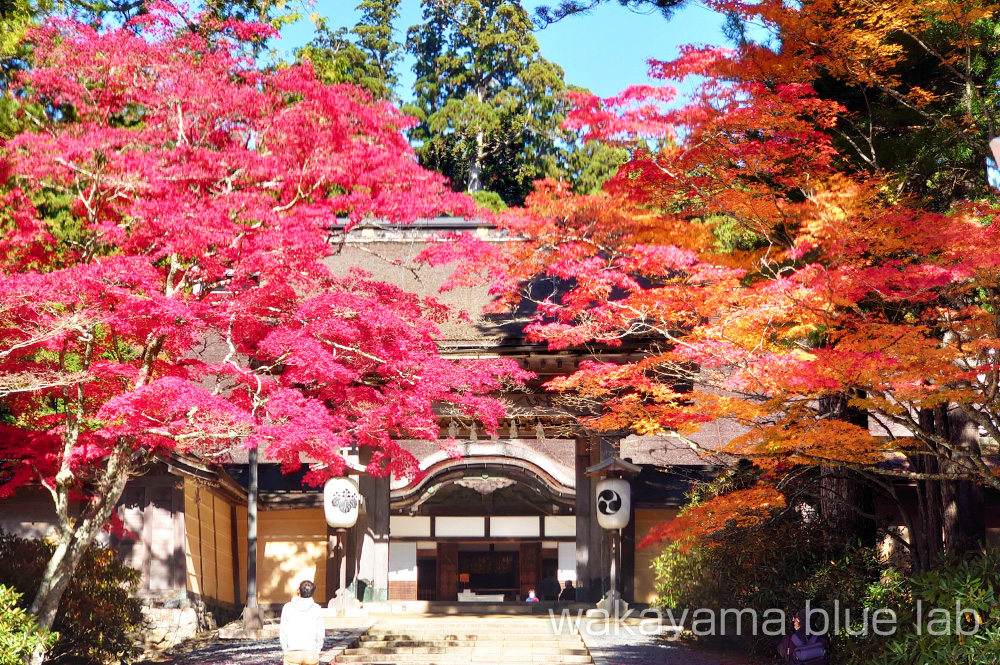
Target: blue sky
pixel 605 50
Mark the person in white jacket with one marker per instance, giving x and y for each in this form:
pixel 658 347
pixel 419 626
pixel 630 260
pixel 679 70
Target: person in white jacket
pixel 302 630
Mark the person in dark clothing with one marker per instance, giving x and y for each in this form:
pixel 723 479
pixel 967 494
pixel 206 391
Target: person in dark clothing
pixel 568 594
pixel 802 646
pixel 548 588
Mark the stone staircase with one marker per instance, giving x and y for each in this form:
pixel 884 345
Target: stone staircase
pixel 465 640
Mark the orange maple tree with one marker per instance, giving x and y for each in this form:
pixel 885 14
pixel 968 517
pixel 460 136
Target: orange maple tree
pixel 770 268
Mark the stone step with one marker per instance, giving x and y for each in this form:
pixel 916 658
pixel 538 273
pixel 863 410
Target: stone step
pixel 466 644
pixel 471 632
pixel 439 609
pixel 522 650
pixel 468 641
pixel 485 639
pixel 484 645
pixel 447 658
pixel 560 640
pixel 444 659
pixel 450 615
pixel 536 626
pixel 411 641
pixel 499 640
pixel 533 625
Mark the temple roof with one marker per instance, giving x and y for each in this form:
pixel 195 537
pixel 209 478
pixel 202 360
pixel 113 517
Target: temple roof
pixel 613 466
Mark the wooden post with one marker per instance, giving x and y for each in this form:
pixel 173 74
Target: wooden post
pixel 583 520
pixel 613 535
pixel 253 618
pixel 342 570
pixel 331 563
pixel 374 535
pixel 626 555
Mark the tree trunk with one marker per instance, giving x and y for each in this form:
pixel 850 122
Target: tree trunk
pixel 57 576
pixel 76 536
pixel 925 536
pixel 932 541
pixel 951 511
pixel 843 495
pixel 926 540
pixel 962 501
pixel 104 492
pixel 476 166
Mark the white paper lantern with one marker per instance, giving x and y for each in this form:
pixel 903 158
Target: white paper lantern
pixel 341 500
pixel 613 503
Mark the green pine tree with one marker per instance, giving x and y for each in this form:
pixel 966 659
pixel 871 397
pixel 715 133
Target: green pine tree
pixel 366 55
pixel 489 105
pixel 16 16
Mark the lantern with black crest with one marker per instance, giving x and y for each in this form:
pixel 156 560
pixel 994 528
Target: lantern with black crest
pixel 613 503
pixel 613 492
pixel 341 502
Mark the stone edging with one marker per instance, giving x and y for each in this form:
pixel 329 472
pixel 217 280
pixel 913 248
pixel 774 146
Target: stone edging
pixel 346 642
pixel 592 647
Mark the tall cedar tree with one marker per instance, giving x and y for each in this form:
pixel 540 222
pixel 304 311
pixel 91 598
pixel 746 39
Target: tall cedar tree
pixel 366 55
pixel 164 286
pixel 488 103
pixel 546 14
pixel 802 295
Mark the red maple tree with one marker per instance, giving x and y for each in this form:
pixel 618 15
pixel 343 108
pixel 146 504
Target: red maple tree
pixel 173 197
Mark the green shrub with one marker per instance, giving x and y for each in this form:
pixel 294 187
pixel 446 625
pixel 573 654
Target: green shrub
pixel 788 561
pixel 98 611
pixel 780 564
pixel 489 200
pixel 19 633
pixel 971 584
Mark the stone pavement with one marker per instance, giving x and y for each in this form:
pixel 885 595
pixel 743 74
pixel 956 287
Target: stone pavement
pixel 647 650
pixel 631 643
pixel 609 644
pixel 210 650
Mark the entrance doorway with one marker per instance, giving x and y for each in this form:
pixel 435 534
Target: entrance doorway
pixel 489 570
pixel 486 571
pixel 427 578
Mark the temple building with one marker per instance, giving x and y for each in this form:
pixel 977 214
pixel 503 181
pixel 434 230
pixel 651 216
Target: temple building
pixel 516 507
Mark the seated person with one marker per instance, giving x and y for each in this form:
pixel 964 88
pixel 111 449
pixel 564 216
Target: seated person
pixel 568 594
pixel 532 598
pixel 802 646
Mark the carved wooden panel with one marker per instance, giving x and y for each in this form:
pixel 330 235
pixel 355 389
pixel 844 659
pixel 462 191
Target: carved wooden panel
pixel 530 569
pixel 447 571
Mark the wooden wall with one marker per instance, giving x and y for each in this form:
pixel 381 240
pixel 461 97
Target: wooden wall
pixel 645 580
pixel 212 571
pixel 29 513
pixel 291 547
pixel 152 511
